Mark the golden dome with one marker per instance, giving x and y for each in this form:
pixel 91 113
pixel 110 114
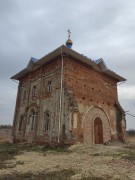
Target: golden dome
pixel 69 42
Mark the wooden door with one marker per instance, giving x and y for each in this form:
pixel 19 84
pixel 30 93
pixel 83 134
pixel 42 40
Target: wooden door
pixel 98 131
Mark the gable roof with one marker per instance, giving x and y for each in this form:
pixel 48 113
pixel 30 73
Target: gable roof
pixel 63 49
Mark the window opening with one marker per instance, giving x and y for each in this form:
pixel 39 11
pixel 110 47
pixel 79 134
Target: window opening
pixel 33 117
pixel 49 86
pixel 47 121
pixel 34 91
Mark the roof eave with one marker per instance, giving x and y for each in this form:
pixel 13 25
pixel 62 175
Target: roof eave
pixel 114 75
pixel 20 74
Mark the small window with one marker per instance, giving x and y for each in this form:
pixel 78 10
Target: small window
pixel 20 123
pixel 49 86
pixel 33 117
pixel 34 91
pixel 24 95
pixel 47 121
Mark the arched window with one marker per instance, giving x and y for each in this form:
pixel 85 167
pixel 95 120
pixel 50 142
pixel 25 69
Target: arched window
pixel 47 119
pixel 34 91
pixel 49 86
pixel 20 123
pixel 33 118
pixel 24 95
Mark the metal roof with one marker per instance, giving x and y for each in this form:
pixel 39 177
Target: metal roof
pixel 34 59
pixel 98 64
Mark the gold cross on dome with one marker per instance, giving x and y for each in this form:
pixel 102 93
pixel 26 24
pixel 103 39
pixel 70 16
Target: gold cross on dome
pixel 69 32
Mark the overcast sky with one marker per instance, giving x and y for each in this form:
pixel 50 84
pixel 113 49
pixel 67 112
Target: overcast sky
pixel 100 29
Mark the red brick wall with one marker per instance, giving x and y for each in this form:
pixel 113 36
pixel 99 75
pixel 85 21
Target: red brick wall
pixel 88 83
pixel 91 88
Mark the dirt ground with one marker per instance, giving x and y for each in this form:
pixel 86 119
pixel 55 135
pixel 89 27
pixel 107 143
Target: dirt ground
pixel 114 161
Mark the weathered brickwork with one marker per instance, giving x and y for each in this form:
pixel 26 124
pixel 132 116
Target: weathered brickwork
pixel 55 106
pixel 88 124
pixel 92 89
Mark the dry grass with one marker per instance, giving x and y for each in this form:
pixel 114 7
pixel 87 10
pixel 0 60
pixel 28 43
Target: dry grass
pixel 55 175
pixel 86 162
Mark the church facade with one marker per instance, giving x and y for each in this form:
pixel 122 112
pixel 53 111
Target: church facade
pixel 64 98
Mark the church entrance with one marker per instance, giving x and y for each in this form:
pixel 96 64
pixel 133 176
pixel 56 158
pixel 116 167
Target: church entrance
pixel 98 131
pixel 96 126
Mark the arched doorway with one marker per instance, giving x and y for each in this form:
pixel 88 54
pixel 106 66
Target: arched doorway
pixel 98 131
pixel 88 125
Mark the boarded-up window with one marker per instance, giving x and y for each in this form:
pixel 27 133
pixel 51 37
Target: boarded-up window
pixel 20 123
pixel 24 95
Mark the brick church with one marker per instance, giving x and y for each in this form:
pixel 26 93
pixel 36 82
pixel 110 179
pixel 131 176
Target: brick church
pixel 65 97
